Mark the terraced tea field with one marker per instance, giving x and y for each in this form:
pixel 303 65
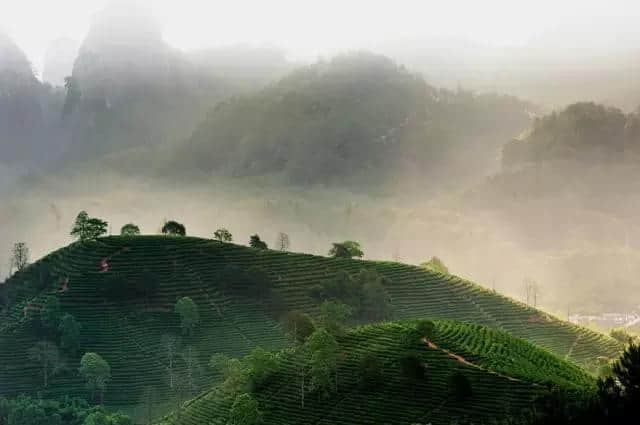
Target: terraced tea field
pixel 506 374
pixel 128 333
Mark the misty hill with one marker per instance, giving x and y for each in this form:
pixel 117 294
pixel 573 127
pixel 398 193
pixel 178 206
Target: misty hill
pixel 123 291
pixel 357 118
pixel 568 189
pixel 27 122
pixel 130 89
pixel 505 376
pixel 582 132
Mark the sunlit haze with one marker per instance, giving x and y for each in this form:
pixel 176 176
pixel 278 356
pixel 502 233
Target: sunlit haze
pixel 307 29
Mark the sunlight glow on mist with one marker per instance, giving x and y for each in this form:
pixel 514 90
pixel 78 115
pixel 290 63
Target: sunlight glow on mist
pixel 306 29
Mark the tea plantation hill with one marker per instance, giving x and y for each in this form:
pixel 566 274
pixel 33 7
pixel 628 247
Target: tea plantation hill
pixel 128 332
pixel 506 376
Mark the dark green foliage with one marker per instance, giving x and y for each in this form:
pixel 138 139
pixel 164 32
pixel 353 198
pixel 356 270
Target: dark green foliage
pixel 363 292
pixel 25 410
pixel 459 386
pixel 174 228
pixel 96 373
pixel 298 326
pixel 256 242
pixel 346 249
pixel 370 371
pixel 244 411
pixel 411 367
pixel 627 370
pixel 130 230
pixel 88 228
pixel 69 330
pixel 334 316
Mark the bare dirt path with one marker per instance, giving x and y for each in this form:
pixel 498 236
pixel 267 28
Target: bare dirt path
pixel 464 361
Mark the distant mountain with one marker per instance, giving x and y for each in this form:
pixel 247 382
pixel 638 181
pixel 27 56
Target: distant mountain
pixel 130 89
pixel 27 108
pixel 356 118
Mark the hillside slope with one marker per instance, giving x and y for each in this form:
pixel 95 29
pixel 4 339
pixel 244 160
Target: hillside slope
pixel 128 332
pixel 505 375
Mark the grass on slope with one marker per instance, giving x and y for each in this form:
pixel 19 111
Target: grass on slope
pixel 128 334
pixel 506 375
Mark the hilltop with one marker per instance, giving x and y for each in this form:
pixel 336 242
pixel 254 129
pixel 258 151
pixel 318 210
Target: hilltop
pixel 505 376
pixel 128 332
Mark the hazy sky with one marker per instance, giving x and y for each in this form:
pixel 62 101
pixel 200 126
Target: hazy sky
pixel 309 28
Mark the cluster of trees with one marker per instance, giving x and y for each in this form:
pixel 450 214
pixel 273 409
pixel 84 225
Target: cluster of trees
pixel 364 293
pixel 25 410
pixel 58 330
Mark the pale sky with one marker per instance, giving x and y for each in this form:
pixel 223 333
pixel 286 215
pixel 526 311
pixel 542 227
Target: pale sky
pixel 311 28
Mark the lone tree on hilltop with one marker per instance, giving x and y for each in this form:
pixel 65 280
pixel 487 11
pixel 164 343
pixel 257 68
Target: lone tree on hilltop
pixel 19 257
pixel 96 372
pixel 283 241
pixel 189 316
pixel 256 242
pixel 346 249
pixel 129 230
pixel 174 228
pixel 88 228
pixel 223 235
